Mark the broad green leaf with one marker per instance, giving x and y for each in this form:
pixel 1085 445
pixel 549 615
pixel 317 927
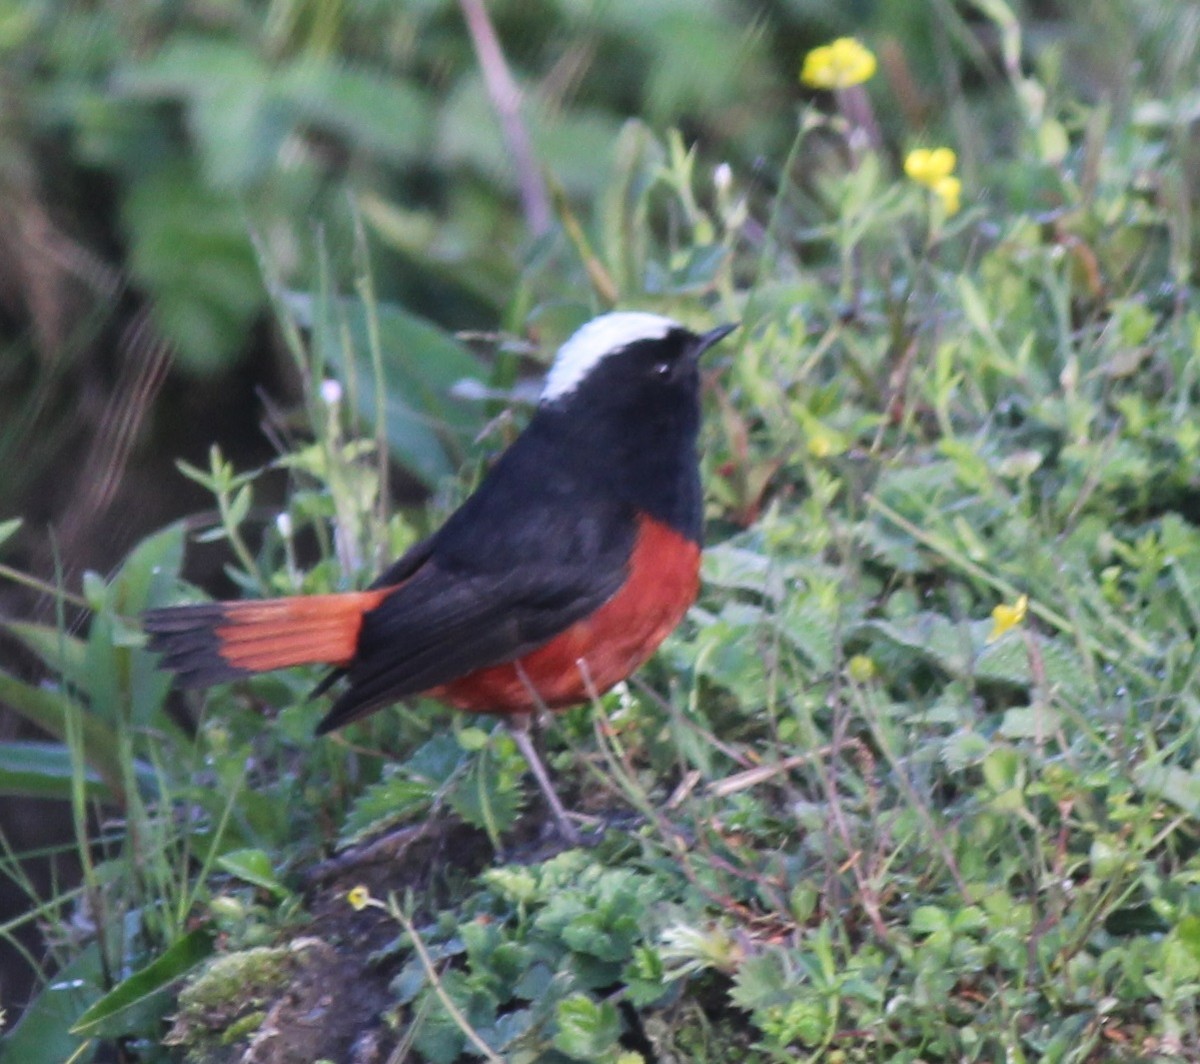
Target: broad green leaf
pixel 371 110
pixel 105 1016
pixel 190 251
pixel 573 147
pixel 226 88
pixel 254 867
pixel 427 427
pixel 1171 783
pixel 191 66
pixel 121 673
pixel 739 568
pixel 43 770
pixel 52 711
pixel 43 1033
pixel 64 655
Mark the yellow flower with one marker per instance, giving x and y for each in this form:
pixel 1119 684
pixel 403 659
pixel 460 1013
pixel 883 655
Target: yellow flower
pixel 928 166
pixel 1005 617
pixel 839 65
pixel 934 168
pixel 949 191
pixel 359 898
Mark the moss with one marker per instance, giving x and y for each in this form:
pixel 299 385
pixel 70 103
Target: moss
pixel 248 1024
pixel 225 1002
pixel 232 981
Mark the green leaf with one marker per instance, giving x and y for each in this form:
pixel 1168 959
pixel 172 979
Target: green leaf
pixel 1170 783
pixel 374 112
pixel 488 796
pixel 961 649
pixel 928 920
pixel 1003 769
pixel 53 711
pixel 472 739
pixel 43 1035
pixel 761 981
pixel 587 1029
pixel 190 251
pixel 1188 933
pixel 191 66
pixel 427 427
pixel 105 1016
pixel 8 529
pixel 121 672
pixel 254 867
pixel 65 655
pixel 393 800
pixel 44 770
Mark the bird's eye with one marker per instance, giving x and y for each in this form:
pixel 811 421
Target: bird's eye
pixel 662 369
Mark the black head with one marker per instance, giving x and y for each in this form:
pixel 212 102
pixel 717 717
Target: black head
pixel 623 400
pixel 628 360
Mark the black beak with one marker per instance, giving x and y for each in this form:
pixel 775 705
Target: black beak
pixel 713 336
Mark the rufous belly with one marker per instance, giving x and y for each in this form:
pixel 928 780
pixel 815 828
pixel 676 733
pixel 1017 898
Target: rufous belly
pixel 601 650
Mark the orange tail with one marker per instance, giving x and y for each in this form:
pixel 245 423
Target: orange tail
pixel 213 642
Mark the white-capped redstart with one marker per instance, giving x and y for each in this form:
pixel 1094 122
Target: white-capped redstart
pixel 572 561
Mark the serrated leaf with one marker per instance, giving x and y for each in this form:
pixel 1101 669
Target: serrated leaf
pixel 961 649
pixel 761 981
pixel 488 796
pixel 739 568
pixel 508 1028
pixel 392 801
pixel 587 1029
pixel 1029 722
pixel 928 920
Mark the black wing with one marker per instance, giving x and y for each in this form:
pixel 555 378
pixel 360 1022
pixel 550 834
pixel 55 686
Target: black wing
pixel 538 547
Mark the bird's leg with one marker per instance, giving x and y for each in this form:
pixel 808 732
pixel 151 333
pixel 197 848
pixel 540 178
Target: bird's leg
pixel 518 728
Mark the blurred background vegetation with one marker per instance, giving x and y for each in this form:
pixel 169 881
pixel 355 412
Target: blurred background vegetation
pixel 174 174
pixel 150 151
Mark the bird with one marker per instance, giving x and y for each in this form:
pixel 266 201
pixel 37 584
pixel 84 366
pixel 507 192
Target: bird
pixel 559 576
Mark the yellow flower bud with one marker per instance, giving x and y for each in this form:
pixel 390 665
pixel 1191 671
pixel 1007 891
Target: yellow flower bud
pixel 861 668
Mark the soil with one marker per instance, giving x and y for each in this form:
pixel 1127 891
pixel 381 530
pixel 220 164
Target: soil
pixel 333 1006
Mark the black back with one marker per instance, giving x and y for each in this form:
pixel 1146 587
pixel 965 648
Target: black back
pixel 545 539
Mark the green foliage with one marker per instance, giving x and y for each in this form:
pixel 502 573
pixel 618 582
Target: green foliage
pixel 916 779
